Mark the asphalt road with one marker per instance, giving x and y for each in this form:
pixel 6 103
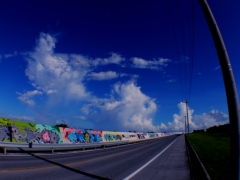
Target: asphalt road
pixel 112 163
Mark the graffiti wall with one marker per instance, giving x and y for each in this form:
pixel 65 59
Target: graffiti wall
pixel 18 131
pixel 35 133
pixel 146 135
pixel 76 136
pixel 49 134
pixel 111 136
pixel 140 136
pixel 25 132
pixel 152 135
pixel 5 130
pixel 129 136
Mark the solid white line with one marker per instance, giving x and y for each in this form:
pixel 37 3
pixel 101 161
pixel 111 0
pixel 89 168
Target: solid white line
pixel 138 170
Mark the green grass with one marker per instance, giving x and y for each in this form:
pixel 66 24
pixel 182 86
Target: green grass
pixel 214 151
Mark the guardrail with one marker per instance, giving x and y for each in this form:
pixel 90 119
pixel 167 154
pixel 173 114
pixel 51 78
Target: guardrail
pixel 52 147
pixel 198 171
pixel 13 146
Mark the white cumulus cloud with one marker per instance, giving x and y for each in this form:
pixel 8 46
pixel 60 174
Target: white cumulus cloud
pixel 113 59
pixel 128 109
pixel 10 55
pixel 201 121
pixel 63 74
pixel 150 64
pixel 63 77
pixel 16 117
pixel 27 97
pixel 52 73
pixel 103 75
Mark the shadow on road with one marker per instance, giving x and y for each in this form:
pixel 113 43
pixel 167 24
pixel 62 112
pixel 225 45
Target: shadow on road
pixel 66 167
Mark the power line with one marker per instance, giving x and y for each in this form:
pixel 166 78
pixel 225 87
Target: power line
pixel 186 81
pixel 190 43
pixel 183 45
pixel 192 53
pixel 177 49
pixel 189 28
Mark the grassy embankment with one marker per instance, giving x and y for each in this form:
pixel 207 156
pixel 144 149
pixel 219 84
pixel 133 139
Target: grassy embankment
pixel 214 151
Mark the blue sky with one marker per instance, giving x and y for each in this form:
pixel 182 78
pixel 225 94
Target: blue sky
pixel 113 65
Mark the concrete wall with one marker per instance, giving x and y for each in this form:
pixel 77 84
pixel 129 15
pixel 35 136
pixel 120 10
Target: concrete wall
pixel 76 136
pixel 18 131
pixel 25 132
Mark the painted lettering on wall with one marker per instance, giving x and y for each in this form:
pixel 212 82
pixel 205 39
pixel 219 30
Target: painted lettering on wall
pixel 76 136
pixel 25 132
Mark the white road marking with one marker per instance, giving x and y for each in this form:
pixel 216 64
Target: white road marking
pixel 138 170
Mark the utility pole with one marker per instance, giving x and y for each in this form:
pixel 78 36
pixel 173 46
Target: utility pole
pixel 230 87
pixel 187 116
pixel 185 125
pixel 204 127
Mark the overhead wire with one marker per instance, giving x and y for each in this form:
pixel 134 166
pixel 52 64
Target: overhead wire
pixel 177 49
pixel 189 62
pixel 182 62
pixel 192 53
pixel 184 52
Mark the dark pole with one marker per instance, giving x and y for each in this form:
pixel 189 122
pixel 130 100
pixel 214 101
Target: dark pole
pixel 230 87
pixel 187 117
pixel 185 125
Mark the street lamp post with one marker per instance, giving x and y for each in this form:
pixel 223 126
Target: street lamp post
pixel 230 87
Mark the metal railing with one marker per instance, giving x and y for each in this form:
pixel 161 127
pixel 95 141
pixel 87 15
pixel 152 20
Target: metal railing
pixel 52 147
pixel 198 171
pixel 13 146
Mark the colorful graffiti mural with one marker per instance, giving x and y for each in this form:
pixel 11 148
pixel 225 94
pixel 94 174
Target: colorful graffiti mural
pixel 25 132
pixel 49 134
pixel 18 131
pixel 35 133
pixel 75 136
pixel 5 130
pixel 5 133
pixel 111 136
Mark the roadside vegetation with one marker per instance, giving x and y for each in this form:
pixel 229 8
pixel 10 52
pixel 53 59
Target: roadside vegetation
pixel 213 148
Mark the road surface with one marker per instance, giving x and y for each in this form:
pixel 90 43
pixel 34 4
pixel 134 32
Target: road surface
pixel 110 163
